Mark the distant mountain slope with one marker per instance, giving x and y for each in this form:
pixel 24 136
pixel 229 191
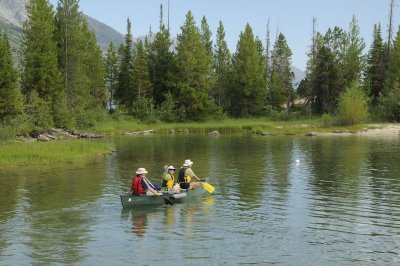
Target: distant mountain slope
pixel 104 33
pixel 298 76
pixel 13 12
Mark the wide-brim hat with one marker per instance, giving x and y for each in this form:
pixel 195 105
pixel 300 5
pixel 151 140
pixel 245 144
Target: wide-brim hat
pixel 187 162
pixel 141 171
pixel 171 168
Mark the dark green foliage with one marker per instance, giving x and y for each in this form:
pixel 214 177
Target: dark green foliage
pixel 162 65
pixel 142 87
pixel 193 78
pixel 94 70
pixel 375 71
pixel 393 72
pixel 389 102
pixel 389 105
pixel 80 62
pixel 111 76
pixel 353 57
pixel 281 88
pixel 326 82
pixel 143 109
pixel 40 77
pixel 223 69
pixel 38 111
pixel 248 92
pixel 167 111
pixel 11 104
pixel 125 84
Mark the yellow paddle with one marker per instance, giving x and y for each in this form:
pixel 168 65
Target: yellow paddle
pixel 208 187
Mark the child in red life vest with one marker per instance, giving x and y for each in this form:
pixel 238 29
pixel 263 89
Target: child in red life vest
pixel 140 185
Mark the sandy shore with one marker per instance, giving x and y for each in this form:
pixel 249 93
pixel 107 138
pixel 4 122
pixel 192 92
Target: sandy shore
pixel 375 130
pixel 382 130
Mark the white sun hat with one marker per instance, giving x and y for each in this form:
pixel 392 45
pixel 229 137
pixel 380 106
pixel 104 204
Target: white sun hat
pixel 187 162
pixel 141 171
pixel 171 168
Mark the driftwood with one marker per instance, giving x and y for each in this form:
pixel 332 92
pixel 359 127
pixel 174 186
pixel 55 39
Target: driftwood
pixel 56 133
pixel 311 134
pixel 214 134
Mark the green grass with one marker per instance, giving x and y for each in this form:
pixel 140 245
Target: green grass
pixel 13 154
pixel 255 126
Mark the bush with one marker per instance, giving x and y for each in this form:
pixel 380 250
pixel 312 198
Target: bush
pixel 327 120
pixel 353 106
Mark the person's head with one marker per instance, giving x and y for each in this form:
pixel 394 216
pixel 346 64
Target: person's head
pixel 141 171
pixel 171 169
pixel 188 163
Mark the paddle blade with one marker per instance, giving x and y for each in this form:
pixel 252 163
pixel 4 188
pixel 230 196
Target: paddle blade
pixel 167 201
pixel 209 188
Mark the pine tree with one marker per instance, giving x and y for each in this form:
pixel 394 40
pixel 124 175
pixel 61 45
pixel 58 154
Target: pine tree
pixel 40 72
pixel 393 72
pixel 206 36
pixel 125 87
pixel 281 67
pixel 325 82
pixel 389 102
pixel 70 39
pixel 375 67
pixel 223 68
pixel 140 75
pixel 11 104
pixel 247 95
pixel 94 70
pixel 112 72
pixel 161 63
pixel 193 74
pixel 353 58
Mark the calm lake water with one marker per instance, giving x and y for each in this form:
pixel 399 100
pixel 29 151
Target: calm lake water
pixel 339 206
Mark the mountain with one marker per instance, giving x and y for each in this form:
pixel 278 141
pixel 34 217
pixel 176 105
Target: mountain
pixel 104 33
pixel 298 76
pixel 13 12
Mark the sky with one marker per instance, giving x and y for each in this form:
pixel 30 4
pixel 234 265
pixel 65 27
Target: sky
pixel 293 18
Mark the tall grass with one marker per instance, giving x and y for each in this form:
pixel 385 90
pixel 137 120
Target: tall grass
pixel 46 153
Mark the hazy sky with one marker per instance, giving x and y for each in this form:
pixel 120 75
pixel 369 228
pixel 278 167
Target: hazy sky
pixel 291 17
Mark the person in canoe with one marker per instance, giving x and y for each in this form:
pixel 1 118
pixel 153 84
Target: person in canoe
pixel 169 179
pixel 186 175
pixel 140 185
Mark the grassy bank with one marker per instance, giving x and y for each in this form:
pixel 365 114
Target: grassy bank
pixel 255 126
pixel 14 154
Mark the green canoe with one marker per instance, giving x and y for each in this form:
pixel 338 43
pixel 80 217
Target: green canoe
pixel 129 201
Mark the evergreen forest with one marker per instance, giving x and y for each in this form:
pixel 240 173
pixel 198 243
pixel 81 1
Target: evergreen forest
pixel 64 80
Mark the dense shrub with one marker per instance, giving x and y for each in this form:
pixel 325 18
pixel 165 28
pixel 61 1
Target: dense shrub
pixel 353 106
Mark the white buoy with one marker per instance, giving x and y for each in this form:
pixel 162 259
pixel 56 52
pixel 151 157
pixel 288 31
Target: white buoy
pixel 297 161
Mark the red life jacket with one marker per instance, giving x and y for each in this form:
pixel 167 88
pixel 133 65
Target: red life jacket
pixel 137 188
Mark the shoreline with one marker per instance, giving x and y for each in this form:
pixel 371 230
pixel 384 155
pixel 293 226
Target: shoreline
pixel 391 130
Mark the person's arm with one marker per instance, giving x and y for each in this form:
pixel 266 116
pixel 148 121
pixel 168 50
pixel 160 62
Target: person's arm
pixel 190 172
pixel 147 186
pixel 155 192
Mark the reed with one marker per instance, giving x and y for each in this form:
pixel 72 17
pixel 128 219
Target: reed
pixel 14 154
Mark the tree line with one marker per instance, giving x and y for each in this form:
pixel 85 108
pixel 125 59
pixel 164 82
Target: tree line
pixel 65 80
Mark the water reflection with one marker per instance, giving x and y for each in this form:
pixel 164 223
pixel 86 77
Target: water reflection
pixel 340 205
